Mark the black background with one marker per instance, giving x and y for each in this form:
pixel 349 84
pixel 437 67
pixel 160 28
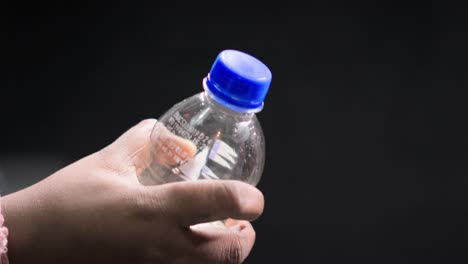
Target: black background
pixel 364 122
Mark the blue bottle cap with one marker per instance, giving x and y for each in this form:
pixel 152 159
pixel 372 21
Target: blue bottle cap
pixel 239 80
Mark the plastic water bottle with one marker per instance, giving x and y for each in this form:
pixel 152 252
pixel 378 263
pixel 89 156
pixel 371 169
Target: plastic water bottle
pixel 214 134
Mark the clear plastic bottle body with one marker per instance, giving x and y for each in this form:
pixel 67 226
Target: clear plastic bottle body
pixel 200 138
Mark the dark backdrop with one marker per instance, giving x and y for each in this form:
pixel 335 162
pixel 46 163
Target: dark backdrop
pixel 364 121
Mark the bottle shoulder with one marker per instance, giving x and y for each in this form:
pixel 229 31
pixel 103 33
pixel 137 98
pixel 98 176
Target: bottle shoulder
pixel 197 115
pixel 203 108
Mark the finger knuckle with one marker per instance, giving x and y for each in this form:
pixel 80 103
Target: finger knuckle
pixel 146 205
pixel 230 198
pixel 233 253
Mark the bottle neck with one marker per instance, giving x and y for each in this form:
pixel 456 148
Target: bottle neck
pixel 220 106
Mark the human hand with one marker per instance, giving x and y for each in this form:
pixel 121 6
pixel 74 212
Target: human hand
pixel 96 211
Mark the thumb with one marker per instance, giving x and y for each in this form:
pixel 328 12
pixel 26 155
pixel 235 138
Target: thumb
pixel 201 201
pixel 131 149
